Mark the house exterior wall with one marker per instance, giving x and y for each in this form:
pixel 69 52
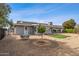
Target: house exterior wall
pixel 28 30
pixel 57 30
pixel 36 32
pixel 48 30
pixel 19 30
pixel 22 30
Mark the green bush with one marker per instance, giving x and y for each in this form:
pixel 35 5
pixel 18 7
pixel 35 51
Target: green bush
pixel 41 28
pixel 69 30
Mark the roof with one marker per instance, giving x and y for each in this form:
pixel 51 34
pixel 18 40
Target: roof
pixel 57 26
pixel 22 23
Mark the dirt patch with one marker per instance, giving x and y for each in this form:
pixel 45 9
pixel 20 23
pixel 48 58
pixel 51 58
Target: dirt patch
pixel 44 43
pixel 11 47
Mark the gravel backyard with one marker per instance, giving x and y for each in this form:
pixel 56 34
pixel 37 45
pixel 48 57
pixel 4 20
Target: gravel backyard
pixel 9 46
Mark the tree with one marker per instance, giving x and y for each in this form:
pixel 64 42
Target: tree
pixel 4 13
pixel 70 24
pixel 11 22
pixel 41 29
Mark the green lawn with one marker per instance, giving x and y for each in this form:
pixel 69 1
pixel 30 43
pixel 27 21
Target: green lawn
pixel 59 36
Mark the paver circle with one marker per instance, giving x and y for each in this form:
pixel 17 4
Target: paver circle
pixel 45 43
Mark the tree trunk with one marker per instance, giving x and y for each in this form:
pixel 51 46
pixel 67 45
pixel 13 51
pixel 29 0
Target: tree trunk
pixel 42 36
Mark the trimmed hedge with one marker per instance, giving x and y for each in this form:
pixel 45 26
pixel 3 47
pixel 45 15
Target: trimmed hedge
pixel 69 30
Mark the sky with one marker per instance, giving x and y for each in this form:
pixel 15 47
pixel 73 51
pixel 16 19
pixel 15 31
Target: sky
pixel 44 12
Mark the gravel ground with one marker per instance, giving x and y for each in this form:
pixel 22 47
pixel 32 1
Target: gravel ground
pixel 11 47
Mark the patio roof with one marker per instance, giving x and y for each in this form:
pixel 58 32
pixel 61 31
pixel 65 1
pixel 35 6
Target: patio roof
pixel 31 25
pixel 19 23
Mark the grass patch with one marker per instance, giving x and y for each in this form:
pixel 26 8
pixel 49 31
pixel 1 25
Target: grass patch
pixel 59 36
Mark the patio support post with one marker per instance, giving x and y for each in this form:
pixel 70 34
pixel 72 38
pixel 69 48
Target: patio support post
pixel 14 30
pixel 24 30
pixel 36 30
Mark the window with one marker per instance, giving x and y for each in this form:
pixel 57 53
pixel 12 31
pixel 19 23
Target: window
pixel 25 28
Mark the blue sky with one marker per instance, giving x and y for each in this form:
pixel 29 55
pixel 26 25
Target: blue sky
pixel 45 12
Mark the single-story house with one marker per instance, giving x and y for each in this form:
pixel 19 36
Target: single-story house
pixel 57 29
pixel 30 28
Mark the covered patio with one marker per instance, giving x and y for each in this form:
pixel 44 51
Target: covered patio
pixel 23 29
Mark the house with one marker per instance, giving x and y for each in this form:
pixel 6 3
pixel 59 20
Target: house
pixel 30 28
pixel 57 29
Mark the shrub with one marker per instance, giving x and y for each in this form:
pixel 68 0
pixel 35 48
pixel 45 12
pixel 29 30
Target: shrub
pixel 69 30
pixel 41 28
